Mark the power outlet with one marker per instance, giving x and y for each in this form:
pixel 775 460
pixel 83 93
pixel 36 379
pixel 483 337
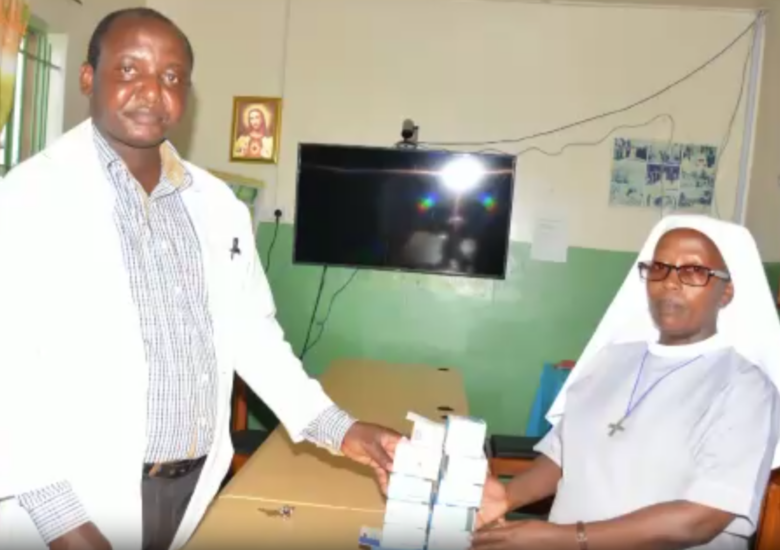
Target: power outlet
pixel 269 214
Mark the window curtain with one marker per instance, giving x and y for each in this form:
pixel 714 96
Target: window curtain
pixel 14 17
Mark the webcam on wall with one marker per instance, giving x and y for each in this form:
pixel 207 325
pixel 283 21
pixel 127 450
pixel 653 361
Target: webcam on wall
pixel 409 134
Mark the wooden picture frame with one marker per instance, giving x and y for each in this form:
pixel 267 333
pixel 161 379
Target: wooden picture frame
pixel 256 129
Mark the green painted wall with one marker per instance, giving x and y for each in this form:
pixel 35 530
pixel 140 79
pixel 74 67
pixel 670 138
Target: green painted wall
pixel 497 333
pixel 773 273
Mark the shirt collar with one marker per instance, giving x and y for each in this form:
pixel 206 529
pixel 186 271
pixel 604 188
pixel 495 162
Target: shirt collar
pixel 173 169
pixel 713 343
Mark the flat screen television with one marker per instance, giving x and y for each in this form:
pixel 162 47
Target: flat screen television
pixel 403 209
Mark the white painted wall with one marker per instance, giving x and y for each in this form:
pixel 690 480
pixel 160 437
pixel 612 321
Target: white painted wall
pixel 763 205
pixel 75 23
pixel 239 50
pixel 351 70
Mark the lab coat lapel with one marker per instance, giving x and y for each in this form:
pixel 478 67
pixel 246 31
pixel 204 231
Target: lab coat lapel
pixel 214 235
pixel 95 247
pixel 100 341
pixel 214 238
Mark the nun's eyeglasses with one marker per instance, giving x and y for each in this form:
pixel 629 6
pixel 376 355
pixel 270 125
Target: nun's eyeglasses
pixel 690 275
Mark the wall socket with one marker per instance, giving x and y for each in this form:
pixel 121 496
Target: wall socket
pixel 268 214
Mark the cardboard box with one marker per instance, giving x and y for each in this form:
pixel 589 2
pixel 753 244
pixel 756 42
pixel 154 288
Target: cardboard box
pixel 401 537
pixel 465 436
pixel 416 461
pixel 411 514
pixel 465 469
pixel 409 489
pixel 452 492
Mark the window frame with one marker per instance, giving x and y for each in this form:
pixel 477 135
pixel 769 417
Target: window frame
pixel 24 134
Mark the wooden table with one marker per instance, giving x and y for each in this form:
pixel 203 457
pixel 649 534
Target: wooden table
pixel 509 467
pixel 768 533
pixel 332 496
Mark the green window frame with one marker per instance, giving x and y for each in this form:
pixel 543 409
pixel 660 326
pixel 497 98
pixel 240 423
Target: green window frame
pixel 25 132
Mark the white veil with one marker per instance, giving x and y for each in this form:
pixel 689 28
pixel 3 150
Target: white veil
pixel 750 322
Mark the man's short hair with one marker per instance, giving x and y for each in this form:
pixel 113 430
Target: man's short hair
pixel 96 41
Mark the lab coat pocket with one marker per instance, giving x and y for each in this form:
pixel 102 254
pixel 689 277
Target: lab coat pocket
pixel 225 262
pixel 225 273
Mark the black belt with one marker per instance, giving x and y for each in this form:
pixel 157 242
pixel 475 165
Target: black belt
pixel 173 470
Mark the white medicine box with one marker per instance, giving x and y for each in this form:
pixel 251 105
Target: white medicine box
pixel 413 460
pixel 427 433
pixel 402 537
pixel 411 514
pixel 453 518
pixel 465 436
pixel 410 489
pixel 466 469
pixel 449 540
pixel 453 492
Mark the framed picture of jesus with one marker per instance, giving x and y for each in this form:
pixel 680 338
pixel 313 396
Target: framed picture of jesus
pixel 256 129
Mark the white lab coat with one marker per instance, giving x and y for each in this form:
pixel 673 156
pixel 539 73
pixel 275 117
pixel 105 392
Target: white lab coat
pixel 73 377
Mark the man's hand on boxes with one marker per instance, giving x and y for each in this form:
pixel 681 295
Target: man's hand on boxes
pixel 373 446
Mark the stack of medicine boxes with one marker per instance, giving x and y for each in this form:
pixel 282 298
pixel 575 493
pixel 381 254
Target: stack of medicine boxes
pixel 435 488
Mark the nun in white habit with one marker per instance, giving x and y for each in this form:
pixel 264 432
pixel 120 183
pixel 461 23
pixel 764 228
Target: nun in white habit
pixel 666 432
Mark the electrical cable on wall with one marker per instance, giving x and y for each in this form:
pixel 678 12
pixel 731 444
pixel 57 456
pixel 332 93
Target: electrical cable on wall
pixel 729 129
pixel 599 141
pixel 321 324
pixel 612 112
pixel 752 27
pixel 317 299
pixel 724 142
pixel 277 219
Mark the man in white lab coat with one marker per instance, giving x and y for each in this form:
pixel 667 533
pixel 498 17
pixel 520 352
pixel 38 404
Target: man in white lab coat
pixel 130 294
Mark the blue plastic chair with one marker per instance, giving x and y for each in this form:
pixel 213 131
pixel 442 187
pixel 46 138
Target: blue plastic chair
pixel 550 384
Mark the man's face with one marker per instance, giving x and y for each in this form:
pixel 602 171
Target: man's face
pixel 255 119
pixel 139 89
pixel 685 313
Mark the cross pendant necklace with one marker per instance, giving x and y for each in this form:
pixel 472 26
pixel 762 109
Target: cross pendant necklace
pixel 615 427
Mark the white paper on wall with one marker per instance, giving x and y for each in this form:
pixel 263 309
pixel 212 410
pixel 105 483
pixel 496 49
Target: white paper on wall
pixel 550 238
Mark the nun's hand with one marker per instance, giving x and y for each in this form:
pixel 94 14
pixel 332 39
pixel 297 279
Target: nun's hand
pixel 84 537
pixel 525 535
pixel 495 503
